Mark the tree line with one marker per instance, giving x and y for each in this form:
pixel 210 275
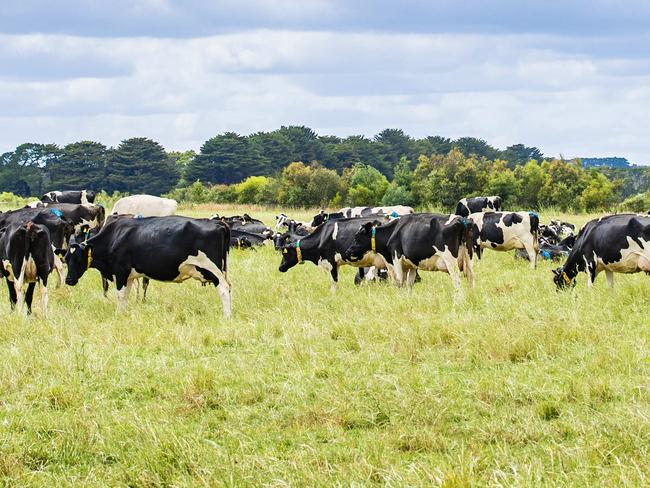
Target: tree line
pixel 295 166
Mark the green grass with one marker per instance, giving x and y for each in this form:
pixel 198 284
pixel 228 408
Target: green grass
pixel 518 385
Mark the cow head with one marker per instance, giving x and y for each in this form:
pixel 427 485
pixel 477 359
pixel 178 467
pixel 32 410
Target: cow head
pixel 562 280
pixel 291 255
pixel 78 259
pixel 280 240
pixel 319 219
pixel 90 196
pixel 361 242
pixel 280 220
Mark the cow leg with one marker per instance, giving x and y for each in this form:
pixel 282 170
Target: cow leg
pixel 532 254
pixel 44 297
pixel 609 277
pixel 12 294
pixel 29 296
pixel 358 278
pixel 145 285
pixel 58 266
pixel 335 277
pixel 136 285
pixel 411 273
pixel 467 265
pixel 123 295
pixel 451 264
pixel 105 287
pixel 398 271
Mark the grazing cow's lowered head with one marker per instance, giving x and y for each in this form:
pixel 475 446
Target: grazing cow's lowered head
pixel 78 258
pixel 562 280
pixel 363 241
pixel 280 240
pixel 291 255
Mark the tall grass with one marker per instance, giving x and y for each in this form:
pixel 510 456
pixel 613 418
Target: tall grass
pixel 517 385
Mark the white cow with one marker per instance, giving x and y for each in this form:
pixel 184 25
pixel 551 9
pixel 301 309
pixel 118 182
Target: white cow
pixel 145 206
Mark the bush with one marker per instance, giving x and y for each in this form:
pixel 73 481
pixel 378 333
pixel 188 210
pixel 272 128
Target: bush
pixel 637 203
pixel 397 195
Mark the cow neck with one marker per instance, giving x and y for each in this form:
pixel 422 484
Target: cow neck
pixel 379 236
pixel 307 247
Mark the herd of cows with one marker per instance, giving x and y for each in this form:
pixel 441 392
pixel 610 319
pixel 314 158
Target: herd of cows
pixel 143 238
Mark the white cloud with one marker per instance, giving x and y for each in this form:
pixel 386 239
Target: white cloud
pixel 534 89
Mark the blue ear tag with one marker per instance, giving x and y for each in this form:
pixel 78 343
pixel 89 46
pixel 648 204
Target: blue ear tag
pixel 56 212
pixel 546 254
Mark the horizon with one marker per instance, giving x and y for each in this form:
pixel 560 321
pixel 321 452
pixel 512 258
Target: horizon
pixel 571 80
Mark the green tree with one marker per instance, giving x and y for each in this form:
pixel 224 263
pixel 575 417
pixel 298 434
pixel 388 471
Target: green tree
pixel 366 185
pixel 393 144
pixel 323 186
pixel 276 150
pixel 79 165
pixel 294 184
pixel 23 171
pixel 140 165
pixel 226 158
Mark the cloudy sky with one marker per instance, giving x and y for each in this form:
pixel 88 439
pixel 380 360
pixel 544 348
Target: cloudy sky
pixel 572 78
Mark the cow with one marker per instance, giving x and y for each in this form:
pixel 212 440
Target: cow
pixel 246 223
pixel 284 220
pixel 80 216
pixel 504 231
pixel 322 217
pixel 59 227
pixel 547 250
pixel 468 206
pixel 83 197
pixel 430 242
pixel 325 247
pixel 242 239
pixel 394 211
pixel 170 249
pixel 145 206
pixel 613 244
pixel 27 258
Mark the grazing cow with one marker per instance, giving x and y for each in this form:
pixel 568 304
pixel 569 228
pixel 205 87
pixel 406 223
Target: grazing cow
pixel 245 223
pixel 80 216
pixel 145 206
pixel 468 206
pixel 326 245
pixel 171 249
pixel 83 197
pixel 430 242
pixel 504 231
pixel 547 250
pixel 613 244
pixel 27 258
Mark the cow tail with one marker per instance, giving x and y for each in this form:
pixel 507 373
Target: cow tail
pixel 466 242
pixel 534 225
pixel 226 248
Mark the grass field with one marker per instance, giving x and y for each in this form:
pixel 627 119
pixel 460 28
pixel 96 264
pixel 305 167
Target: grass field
pixel 518 385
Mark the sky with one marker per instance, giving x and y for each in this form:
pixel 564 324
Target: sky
pixel 572 78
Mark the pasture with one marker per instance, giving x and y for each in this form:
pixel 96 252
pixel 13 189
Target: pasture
pixel 515 385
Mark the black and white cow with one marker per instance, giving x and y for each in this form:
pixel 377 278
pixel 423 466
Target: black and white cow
pixel 83 197
pixel 430 242
pixel 394 211
pixel 59 227
pixel 326 245
pixel 549 251
pixel 241 239
pixel 613 244
pixel 505 231
pixel 468 206
pixel 171 249
pixel 80 216
pixel 245 223
pixel 323 216
pixel 27 258
pixel 283 220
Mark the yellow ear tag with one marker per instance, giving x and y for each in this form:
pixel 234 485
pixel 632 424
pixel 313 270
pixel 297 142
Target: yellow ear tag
pixel 90 257
pixel 566 278
pixel 373 244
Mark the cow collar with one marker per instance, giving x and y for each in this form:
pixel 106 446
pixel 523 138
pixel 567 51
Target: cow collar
pixel 299 253
pixel 373 240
